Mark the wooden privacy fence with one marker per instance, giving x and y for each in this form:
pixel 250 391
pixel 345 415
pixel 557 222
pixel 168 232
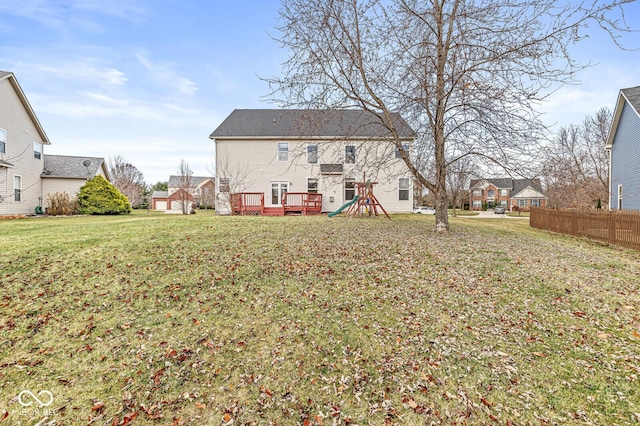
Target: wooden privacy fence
pixel 620 228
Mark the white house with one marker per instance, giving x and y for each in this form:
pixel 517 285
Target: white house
pixel 275 151
pixel 22 139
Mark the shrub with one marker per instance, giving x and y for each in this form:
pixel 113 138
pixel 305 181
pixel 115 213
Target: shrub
pixel 98 196
pixel 61 203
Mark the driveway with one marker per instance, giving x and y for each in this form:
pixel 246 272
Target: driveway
pixel 489 214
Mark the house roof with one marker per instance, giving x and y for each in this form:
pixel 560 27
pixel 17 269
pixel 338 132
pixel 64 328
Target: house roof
pixel 160 194
pixel 632 97
pixel 515 186
pixel 27 106
pixel 174 181
pixel 307 123
pixel 64 166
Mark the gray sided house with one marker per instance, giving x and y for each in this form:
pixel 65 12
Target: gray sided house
pixel 296 151
pixel 624 152
pixel 64 173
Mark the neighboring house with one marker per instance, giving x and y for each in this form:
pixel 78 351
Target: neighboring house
pixel 63 173
pixel 277 151
pixel 624 152
pixel 22 139
pixel 159 200
pixel 512 194
pixel 199 190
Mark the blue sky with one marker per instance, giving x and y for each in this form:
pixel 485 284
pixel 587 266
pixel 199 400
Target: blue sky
pixel 151 79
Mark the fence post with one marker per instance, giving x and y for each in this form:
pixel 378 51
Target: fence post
pixel 612 228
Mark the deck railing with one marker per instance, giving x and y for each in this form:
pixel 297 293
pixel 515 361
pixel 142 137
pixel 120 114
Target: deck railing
pixel 246 203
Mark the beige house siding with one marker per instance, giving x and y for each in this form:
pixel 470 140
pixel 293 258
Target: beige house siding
pixel 21 133
pixel 252 165
pixel 51 185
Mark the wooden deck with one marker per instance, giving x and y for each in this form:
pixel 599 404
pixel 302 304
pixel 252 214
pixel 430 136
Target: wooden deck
pixel 301 203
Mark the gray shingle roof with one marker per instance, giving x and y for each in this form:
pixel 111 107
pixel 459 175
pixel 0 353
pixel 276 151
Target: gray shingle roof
pixel 633 96
pixel 64 166
pixel 195 180
pixel 298 123
pixel 160 194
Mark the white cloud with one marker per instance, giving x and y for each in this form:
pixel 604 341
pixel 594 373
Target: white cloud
pixel 162 72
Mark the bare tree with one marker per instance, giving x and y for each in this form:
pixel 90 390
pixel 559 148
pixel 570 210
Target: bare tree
pixel 466 75
pixel 232 178
pixel 576 168
pixel 128 179
pixel 185 187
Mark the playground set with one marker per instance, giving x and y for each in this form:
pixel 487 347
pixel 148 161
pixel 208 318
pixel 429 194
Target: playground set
pixel 364 203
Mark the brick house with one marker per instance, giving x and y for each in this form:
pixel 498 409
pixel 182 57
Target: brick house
pixel 512 194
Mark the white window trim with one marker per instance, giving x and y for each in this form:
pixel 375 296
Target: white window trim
pixel 37 144
pixel 14 188
pixel 349 180
pixel 222 186
pixel 620 197
pixel 317 184
pixel 317 156
pixel 408 188
pixel 355 154
pixel 3 141
pixel 287 151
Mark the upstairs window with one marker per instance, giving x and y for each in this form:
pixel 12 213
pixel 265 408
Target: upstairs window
pixel 350 155
pixel 37 150
pixel 504 192
pixel 477 192
pixel 312 154
pixel 405 147
pixel 490 193
pixel 283 151
pixel 3 141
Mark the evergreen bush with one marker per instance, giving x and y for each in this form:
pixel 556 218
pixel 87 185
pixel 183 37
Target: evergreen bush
pixel 98 196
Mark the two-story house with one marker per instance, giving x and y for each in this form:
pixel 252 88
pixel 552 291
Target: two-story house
pixel 276 151
pixel 512 194
pixel 624 152
pixel 27 175
pixel 198 190
pixel 22 139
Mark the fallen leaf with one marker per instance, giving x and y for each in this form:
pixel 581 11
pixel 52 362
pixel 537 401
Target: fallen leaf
pixel 226 418
pixel 201 406
pixel 97 406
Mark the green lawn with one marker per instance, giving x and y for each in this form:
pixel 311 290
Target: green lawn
pixel 166 319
